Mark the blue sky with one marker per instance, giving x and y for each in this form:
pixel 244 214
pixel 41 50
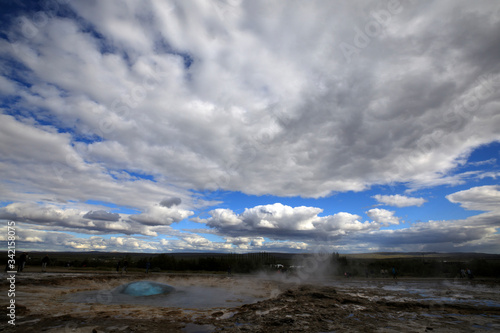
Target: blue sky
pixel 240 126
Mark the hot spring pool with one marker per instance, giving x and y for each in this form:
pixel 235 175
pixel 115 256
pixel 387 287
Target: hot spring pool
pixel 163 295
pixel 145 288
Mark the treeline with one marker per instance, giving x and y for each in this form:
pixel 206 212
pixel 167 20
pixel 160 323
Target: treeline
pixel 237 263
pixel 416 267
pixel 339 265
pixel 232 262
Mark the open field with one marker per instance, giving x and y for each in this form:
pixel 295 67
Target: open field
pixel 87 302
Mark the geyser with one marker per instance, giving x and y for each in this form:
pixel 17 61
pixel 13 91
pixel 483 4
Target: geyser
pixel 145 288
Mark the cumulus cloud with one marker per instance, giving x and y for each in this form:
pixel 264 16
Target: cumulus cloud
pixel 75 219
pixel 49 214
pixel 398 200
pixel 31 238
pixel 161 215
pixel 101 215
pixel 35 239
pixel 278 221
pixel 345 232
pixel 170 202
pixel 485 198
pixel 383 216
pixel 424 236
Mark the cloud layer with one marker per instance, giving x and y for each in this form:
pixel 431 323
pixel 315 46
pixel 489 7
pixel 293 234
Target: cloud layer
pixel 60 217
pixel 277 120
pixel 152 106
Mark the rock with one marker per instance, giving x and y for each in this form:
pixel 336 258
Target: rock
pixel 319 295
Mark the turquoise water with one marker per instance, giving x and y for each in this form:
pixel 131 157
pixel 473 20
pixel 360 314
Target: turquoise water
pixel 145 288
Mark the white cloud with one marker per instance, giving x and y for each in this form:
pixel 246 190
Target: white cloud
pixel 398 200
pixel 101 215
pixel 274 108
pixel 278 221
pixel 32 238
pixel 160 215
pixel 342 223
pixel 48 165
pixel 59 217
pixel 491 161
pixel 475 234
pixel 449 235
pixel 383 216
pixel 485 198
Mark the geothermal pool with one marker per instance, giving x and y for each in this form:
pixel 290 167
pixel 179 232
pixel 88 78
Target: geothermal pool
pixel 144 288
pixel 180 295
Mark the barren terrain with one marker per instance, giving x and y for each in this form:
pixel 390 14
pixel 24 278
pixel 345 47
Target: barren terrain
pixel 83 302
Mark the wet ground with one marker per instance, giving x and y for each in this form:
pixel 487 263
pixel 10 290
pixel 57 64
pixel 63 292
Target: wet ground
pixel 91 302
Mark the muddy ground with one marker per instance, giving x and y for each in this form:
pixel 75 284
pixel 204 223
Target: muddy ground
pixel 46 303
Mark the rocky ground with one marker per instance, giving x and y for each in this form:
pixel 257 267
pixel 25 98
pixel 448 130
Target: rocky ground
pixel 374 305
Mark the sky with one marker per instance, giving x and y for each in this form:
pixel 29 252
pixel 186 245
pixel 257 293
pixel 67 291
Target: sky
pixel 250 126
